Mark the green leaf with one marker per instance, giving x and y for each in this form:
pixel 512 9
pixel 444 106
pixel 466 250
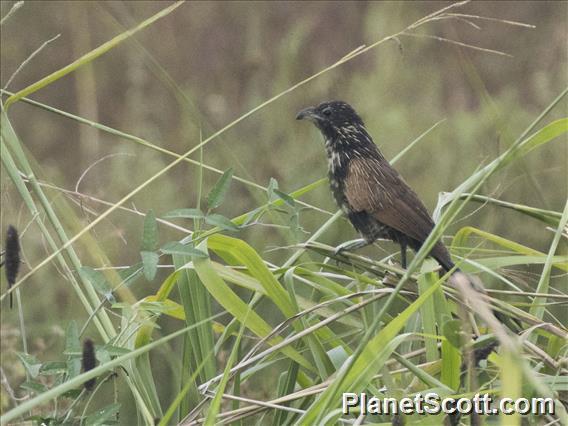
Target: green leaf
pixel 72 394
pixel 129 275
pixel 115 350
pixel 175 247
pixel 102 355
pixel 546 134
pixel 196 302
pixel 338 356
pixel 53 368
pixel 505 261
pixel 251 216
pixel 323 337
pixel 451 357
pixel 371 359
pixel 239 278
pixel 286 385
pixel 549 217
pixel 97 280
pixel 428 311
pixel 452 331
pixel 72 342
pixel 40 420
pixel 150 261
pixel 150 235
pixel 512 377
pixel 36 387
pixel 184 213
pixel 422 374
pixel 167 286
pixel 239 309
pixel 221 222
pixel 451 365
pixel 329 287
pixel 30 362
pixel 102 416
pixel 272 185
pixel 73 350
pixel 461 237
pixel 294 224
pixel 237 251
pixel 285 197
pixel 543 286
pixel 324 365
pixel 156 307
pixel 69 386
pixel 215 404
pixel 189 388
pixel 217 194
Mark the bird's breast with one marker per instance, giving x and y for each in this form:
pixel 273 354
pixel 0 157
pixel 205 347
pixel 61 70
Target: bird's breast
pixel 338 166
pixel 337 161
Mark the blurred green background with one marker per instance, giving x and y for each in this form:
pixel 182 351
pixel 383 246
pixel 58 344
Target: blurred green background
pixel 210 62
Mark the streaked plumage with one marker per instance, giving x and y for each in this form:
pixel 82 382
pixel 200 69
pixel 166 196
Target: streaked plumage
pixel 375 198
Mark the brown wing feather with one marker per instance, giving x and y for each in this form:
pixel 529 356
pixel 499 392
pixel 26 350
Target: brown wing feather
pixel 372 185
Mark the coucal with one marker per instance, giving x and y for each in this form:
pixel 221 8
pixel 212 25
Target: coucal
pixel 373 195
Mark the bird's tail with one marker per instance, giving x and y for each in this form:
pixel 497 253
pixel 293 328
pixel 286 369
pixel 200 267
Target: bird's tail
pixel 459 278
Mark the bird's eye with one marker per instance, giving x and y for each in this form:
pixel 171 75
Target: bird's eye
pixel 327 112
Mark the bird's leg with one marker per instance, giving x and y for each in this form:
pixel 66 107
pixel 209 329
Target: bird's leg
pixel 351 245
pixel 403 255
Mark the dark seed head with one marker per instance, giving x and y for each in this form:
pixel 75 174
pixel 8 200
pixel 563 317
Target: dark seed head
pixel 482 353
pixel 12 262
pixel 89 362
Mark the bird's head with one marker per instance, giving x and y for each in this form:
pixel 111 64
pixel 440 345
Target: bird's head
pixel 335 119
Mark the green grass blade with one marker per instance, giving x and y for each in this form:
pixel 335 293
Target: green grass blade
pixel 361 370
pixel 321 359
pixel 460 240
pixel 512 382
pixel 77 381
pixel 537 308
pixel 92 55
pixel 237 251
pixel 428 312
pixel 219 191
pixel 239 309
pixel 215 405
pixel 519 148
pixel 197 306
pixel 549 217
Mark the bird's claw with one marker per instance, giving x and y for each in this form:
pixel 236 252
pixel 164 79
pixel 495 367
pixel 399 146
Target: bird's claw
pixel 338 250
pixel 349 246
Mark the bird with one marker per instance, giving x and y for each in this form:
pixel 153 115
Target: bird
pixel 370 192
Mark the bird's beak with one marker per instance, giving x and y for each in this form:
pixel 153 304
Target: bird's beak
pixel 307 114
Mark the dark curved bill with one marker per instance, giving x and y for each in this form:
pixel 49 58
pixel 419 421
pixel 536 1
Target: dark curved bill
pixel 307 114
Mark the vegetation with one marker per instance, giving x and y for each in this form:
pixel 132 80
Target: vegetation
pixel 200 269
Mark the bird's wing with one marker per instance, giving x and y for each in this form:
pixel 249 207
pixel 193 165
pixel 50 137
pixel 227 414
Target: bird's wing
pixel 372 185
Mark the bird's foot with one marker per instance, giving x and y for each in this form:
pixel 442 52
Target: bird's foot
pixel 350 246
